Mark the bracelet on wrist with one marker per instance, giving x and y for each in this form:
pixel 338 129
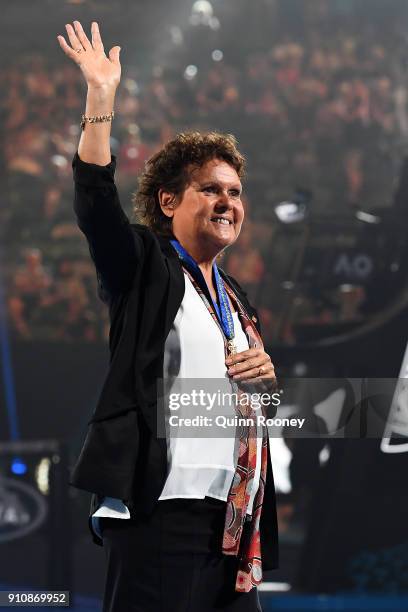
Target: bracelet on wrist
pixel 96 119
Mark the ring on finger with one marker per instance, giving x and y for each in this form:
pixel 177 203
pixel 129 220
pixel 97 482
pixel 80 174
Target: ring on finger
pixel 79 50
pixel 261 371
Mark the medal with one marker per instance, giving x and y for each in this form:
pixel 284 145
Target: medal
pixel 231 347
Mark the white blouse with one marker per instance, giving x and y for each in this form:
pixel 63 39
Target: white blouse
pixel 198 466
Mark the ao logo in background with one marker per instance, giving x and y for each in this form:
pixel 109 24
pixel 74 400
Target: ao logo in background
pixel 353 266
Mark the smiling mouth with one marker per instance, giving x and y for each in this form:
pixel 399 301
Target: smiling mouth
pixel 221 221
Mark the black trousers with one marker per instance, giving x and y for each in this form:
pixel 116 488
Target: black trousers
pixel 172 561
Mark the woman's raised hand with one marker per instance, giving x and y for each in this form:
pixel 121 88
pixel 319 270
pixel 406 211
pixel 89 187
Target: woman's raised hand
pixel 100 71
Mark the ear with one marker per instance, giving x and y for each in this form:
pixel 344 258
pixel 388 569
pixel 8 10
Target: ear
pixel 167 202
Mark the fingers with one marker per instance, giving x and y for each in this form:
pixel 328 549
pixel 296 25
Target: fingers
pixel 73 39
pixel 263 375
pixel 67 49
pixel 253 364
pixel 253 370
pixel 238 357
pixel 248 360
pixel 96 37
pixel 79 40
pixel 114 55
pixel 85 42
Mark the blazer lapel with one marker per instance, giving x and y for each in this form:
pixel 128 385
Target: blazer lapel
pixel 176 282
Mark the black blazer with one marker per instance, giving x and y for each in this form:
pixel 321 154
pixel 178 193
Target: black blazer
pixel 141 280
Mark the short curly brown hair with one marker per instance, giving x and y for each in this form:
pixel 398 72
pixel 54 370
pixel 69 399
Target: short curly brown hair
pixel 170 169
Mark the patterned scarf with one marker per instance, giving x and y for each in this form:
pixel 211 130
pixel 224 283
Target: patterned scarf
pixel 241 536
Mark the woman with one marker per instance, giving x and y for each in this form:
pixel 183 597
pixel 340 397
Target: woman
pixel 194 534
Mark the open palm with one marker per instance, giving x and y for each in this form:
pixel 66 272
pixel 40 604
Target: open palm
pixel 98 69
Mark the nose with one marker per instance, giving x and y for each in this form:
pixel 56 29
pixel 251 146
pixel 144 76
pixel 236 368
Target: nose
pixel 225 201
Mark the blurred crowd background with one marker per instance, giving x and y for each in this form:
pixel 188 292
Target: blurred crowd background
pixel 316 93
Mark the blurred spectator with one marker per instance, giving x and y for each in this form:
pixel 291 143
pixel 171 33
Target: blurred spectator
pixel 30 285
pixel 316 100
pixel 245 262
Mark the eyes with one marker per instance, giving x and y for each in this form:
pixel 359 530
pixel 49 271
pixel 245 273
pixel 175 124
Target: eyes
pixel 235 193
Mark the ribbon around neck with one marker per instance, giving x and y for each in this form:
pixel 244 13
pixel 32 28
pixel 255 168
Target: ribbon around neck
pixel 223 310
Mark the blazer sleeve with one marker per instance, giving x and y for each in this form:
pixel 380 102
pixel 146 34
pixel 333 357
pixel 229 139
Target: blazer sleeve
pixel 115 248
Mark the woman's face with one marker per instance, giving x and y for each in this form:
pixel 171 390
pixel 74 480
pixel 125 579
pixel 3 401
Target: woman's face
pixel 209 216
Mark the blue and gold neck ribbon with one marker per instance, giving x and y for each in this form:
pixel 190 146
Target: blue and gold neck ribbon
pixel 223 310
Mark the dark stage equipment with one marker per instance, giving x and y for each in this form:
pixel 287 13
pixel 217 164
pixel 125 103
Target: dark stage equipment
pixel 35 530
